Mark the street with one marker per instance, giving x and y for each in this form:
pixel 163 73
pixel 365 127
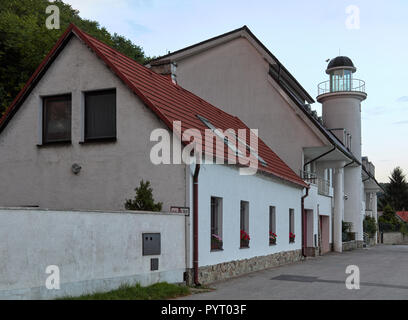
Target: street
pixel 383 275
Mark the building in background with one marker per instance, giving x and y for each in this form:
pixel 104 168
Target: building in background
pixel 237 72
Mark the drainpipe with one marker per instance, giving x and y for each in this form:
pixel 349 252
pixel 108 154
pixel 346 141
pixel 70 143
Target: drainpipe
pixel 195 223
pixel 304 226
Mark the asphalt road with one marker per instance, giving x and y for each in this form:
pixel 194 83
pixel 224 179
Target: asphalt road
pixel 383 276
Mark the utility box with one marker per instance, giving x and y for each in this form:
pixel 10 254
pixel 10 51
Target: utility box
pixel 151 244
pixel 154 264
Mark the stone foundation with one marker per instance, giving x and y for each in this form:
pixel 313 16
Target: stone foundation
pixel 226 270
pixel 352 245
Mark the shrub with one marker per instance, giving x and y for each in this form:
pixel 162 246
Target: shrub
pixel 370 226
pixel 143 200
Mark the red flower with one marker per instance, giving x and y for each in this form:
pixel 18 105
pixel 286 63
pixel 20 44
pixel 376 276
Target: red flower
pixel 244 235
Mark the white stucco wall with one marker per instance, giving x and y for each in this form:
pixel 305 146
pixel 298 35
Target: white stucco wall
pixel 261 192
pixel 95 251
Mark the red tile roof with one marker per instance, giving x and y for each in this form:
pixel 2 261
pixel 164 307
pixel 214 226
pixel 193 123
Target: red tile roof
pixel 403 215
pixel 168 101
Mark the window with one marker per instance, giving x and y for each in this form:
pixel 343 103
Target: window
pixel 244 225
pixel 216 224
pixel 291 225
pixel 100 115
pixel 272 226
pixel 56 119
pixel 341 80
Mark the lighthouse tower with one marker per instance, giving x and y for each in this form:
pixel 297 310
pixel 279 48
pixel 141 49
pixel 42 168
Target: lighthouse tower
pixel 341 98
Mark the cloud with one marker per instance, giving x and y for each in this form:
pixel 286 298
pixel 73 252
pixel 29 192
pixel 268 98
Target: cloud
pixel 402 99
pixel 401 122
pixel 374 111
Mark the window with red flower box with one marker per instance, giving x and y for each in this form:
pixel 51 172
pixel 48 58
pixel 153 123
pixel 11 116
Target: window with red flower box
pixel 272 226
pixel 244 224
pixel 216 224
pixel 292 226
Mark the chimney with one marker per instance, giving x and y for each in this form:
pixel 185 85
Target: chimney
pixel 165 68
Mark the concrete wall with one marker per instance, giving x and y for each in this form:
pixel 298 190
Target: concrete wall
pixel 393 238
pixel 41 176
pixel 234 77
pixel 95 251
pixel 261 192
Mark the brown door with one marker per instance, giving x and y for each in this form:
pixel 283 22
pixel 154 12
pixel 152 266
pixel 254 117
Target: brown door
pixel 325 234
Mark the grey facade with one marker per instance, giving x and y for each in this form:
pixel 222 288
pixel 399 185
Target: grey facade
pixel 41 175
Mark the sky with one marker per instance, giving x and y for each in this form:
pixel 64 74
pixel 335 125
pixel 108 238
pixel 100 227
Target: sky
pixel 302 35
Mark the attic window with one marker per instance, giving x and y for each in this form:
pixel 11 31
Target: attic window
pixel 56 119
pixel 100 115
pixel 220 135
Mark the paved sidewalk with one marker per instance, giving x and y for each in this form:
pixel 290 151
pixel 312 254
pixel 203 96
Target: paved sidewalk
pixel 383 273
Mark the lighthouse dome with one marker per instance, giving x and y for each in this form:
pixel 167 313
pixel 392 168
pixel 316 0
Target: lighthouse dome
pixel 341 62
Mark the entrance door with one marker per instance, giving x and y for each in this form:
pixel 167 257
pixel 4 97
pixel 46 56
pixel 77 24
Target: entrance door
pixel 325 234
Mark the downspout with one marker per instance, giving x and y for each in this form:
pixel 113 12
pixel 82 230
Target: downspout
pixel 304 222
pixel 195 223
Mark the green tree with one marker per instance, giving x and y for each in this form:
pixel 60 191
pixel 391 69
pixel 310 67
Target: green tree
pixel 25 41
pixel 143 200
pixel 396 192
pixel 389 221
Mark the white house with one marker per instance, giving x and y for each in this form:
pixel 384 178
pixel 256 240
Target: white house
pixel 78 138
pixel 236 72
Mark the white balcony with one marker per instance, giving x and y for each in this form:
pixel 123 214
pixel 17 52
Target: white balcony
pixel 323 185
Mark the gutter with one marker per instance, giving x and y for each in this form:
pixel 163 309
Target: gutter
pixel 195 224
pixel 317 158
pixel 350 163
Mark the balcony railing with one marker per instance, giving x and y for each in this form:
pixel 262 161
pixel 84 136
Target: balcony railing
pixel 341 85
pixel 323 186
pixel 309 177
